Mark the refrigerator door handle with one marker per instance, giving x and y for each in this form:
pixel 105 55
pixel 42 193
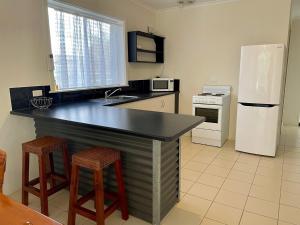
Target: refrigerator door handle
pixel 257 105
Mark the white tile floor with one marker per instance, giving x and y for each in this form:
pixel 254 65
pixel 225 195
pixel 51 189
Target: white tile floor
pixel 221 186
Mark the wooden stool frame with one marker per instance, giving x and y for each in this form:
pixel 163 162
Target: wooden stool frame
pixel 98 194
pixel 44 154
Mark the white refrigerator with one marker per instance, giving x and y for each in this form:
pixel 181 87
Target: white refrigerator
pixel 260 99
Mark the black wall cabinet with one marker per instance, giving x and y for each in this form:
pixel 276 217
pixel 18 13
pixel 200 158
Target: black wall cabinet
pixel 133 49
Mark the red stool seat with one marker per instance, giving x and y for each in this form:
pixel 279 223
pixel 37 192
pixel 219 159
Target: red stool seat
pixel 96 158
pixel 44 145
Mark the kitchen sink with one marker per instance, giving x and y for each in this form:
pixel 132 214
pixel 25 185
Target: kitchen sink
pixel 123 97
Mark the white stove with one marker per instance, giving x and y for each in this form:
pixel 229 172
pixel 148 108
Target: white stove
pixel 214 105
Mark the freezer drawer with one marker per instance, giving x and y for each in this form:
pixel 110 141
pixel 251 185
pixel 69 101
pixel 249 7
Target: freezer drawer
pixel 257 129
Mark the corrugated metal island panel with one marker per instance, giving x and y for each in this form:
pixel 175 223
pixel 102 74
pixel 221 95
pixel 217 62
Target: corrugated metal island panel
pixel 136 160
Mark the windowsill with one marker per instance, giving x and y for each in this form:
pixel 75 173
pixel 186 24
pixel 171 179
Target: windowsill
pixel 85 89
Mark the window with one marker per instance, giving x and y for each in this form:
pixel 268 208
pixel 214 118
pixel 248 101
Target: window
pixel 88 49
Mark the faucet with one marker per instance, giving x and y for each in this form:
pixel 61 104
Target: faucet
pixel 107 95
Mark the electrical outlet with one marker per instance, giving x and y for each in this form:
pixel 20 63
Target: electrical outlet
pixel 37 93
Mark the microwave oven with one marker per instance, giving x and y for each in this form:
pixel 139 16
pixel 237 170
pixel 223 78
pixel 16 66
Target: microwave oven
pixel 162 84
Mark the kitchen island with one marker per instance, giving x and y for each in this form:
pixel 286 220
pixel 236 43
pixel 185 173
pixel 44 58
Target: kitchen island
pixel 149 143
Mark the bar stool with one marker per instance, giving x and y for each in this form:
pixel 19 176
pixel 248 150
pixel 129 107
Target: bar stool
pixel 96 159
pixel 44 147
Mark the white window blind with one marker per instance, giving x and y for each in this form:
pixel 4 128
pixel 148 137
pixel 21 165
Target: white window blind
pixel 88 49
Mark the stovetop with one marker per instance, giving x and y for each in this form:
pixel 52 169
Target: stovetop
pixel 210 99
pixel 213 95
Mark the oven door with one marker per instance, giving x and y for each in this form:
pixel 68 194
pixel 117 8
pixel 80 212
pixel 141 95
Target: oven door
pixel 212 113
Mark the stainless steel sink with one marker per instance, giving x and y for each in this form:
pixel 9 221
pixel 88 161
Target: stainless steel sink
pixel 123 97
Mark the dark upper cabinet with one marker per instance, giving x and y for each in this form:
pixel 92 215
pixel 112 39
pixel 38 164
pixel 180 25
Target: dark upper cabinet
pixel 139 54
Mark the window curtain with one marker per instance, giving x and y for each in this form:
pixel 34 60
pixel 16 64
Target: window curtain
pixel 87 52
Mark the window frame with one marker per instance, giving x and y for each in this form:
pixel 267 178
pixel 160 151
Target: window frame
pixel 79 11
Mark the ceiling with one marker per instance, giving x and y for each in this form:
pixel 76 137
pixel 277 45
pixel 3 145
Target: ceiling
pixel 164 4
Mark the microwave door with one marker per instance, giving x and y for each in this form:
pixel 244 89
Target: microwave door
pixel 161 85
pixel 212 113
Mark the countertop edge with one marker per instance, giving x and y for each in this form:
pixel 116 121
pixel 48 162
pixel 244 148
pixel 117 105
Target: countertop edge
pixel 159 138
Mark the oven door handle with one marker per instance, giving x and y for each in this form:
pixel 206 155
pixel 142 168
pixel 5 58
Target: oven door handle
pixel 195 105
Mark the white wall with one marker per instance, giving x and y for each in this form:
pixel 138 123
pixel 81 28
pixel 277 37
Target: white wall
pixel 202 47
pixel 22 63
pixel 291 111
pixel 203 42
pixel 23 55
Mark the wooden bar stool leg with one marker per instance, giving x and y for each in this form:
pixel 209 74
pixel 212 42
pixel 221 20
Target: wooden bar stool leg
pixel 53 183
pixel 121 190
pixel 66 162
pixel 25 177
pixel 73 195
pixel 99 196
pixel 43 184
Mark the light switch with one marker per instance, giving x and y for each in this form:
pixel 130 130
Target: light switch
pixel 50 63
pixel 37 93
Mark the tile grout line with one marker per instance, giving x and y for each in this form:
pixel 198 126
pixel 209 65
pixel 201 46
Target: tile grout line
pixel 225 181
pixel 219 189
pixel 194 182
pixel 199 177
pixel 244 209
pixel 227 178
pixel 217 192
pixel 268 200
pixel 208 164
pixel 251 184
pixel 281 184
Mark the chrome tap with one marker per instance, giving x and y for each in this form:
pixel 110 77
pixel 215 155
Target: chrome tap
pixel 107 95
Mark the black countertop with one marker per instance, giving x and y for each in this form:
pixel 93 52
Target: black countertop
pixel 97 113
